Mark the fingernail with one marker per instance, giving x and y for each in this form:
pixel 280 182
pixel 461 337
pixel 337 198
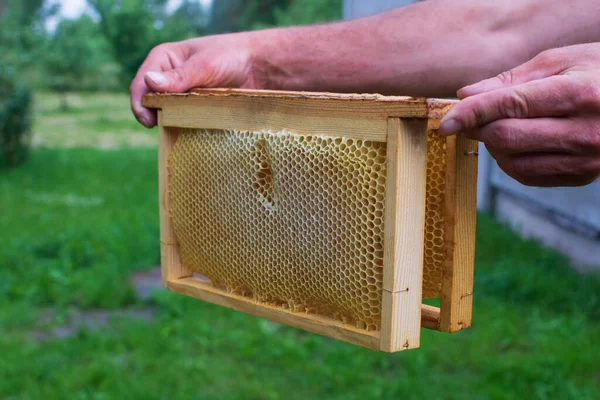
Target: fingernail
pixel 450 127
pixel 157 78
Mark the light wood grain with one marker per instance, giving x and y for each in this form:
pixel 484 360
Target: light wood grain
pixel 351 115
pixel 435 108
pixel 405 201
pixel 430 317
pixel 202 290
pixel 301 116
pixel 404 234
pixel 372 104
pixel 299 94
pixel 457 280
pixel 171 263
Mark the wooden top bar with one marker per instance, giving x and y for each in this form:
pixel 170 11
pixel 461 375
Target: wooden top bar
pixel 371 105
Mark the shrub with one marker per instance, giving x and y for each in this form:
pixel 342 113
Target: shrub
pixel 15 118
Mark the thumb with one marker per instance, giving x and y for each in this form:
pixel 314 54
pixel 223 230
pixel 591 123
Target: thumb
pixel 542 66
pixel 180 79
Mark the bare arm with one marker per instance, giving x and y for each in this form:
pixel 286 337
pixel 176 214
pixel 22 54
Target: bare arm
pixel 428 49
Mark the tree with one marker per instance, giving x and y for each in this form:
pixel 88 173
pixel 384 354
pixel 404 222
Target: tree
pixel 134 27
pixel 22 33
pixel 189 20
pixel 241 15
pixel 308 12
pixel 72 54
pixel 15 118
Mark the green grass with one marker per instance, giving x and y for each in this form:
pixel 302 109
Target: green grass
pixel 93 120
pixel 74 223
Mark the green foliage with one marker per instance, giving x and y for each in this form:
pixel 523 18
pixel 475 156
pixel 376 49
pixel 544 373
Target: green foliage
pixel 15 118
pixel 239 15
pixel 22 33
pixel 190 19
pixel 73 54
pixel 304 12
pixel 128 26
pixel 134 27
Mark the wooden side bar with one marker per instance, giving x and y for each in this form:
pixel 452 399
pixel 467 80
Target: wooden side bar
pixel 171 265
pixel 461 207
pixel 404 234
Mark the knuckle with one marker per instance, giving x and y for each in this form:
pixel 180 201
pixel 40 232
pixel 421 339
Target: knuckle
pixel 515 105
pixel 502 137
pixel 591 166
pixel 546 57
pixel 520 166
pixel 178 74
pixel 594 137
pixel 589 96
pixel 475 116
pixel 506 78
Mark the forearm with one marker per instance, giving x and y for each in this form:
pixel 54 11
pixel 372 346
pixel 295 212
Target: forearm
pixel 428 49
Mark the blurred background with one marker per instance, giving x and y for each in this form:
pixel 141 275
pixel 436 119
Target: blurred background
pixel 81 312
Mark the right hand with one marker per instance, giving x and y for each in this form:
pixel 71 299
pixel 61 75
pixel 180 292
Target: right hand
pixel 213 61
pixel 540 120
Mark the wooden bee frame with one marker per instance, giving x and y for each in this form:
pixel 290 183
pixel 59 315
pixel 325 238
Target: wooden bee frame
pixel 401 122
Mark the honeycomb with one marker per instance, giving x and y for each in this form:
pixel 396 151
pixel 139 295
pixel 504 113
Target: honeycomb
pixel 435 184
pixel 294 221
pixel 288 220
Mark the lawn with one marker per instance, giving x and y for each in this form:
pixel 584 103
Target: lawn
pixel 93 120
pixel 81 216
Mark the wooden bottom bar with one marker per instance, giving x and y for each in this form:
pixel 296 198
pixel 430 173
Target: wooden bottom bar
pixel 430 317
pixel 203 290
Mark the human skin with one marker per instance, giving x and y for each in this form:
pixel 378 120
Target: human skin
pixel 427 49
pixel 541 120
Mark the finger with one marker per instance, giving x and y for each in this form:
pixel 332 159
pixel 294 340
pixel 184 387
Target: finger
pixel 538 135
pixel 145 116
pixel 542 66
pixel 557 96
pixel 551 170
pixel 165 57
pixel 193 73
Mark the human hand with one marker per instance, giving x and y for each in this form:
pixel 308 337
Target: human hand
pixel 212 61
pixel 541 120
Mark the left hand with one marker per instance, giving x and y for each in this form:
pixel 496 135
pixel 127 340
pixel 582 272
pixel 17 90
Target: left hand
pixel 541 120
